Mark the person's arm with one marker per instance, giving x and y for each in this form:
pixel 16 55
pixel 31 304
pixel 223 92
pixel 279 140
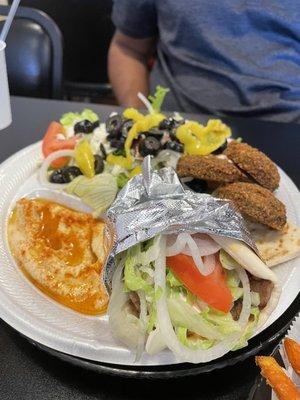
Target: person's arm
pixel 127 67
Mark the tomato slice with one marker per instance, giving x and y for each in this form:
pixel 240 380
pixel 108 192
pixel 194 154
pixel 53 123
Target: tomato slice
pixel 51 143
pixel 211 288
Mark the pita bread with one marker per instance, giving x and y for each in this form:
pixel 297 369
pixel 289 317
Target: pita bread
pixel 276 247
pixel 246 257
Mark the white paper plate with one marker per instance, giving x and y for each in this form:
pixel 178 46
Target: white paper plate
pixel 36 316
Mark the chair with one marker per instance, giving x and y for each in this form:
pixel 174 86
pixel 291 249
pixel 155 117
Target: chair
pixel 33 54
pixel 87 30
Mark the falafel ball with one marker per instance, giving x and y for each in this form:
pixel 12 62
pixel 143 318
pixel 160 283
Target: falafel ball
pixel 210 168
pixel 255 202
pixel 254 163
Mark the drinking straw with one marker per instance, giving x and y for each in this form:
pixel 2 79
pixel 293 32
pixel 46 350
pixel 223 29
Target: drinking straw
pixel 9 19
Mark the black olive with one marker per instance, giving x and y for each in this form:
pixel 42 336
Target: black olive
pixel 84 126
pixel 155 132
pixel 112 136
pixel 71 172
pixel 126 126
pixel 103 151
pixel 197 185
pixel 98 164
pixel 169 124
pixel 96 124
pixel 57 176
pixel 221 148
pixel 174 145
pixel 118 143
pixel 114 124
pixel 150 145
pixel 64 175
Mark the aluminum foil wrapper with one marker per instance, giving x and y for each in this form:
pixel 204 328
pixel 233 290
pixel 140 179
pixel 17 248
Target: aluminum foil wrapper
pixel 155 202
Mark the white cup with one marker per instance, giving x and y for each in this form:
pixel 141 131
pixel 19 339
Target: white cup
pixel 5 112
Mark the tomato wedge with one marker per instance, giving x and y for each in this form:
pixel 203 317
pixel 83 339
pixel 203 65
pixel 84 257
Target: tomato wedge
pixel 51 143
pixel 211 288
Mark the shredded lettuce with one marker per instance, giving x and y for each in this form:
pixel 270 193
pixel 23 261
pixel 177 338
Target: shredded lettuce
pixel 233 279
pixel 172 281
pixel 196 325
pixel 138 275
pixel 225 322
pixel 152 318
pixel 193 343
pixel 132 276
pixel 187 316
pixel 249 329
pixel 233 282
pixel 237 292
pixel 71 118
pixel 227 261
pixel 145 246
pixel 158 98
pixel 255 299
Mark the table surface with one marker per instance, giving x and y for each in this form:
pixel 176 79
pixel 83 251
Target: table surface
pixel 27 373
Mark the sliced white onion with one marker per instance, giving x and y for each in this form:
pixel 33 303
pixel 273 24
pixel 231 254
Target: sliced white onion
pixel 209 263
pixel 151 254
pixel 165 326
pixel 186 244
pixel 43 172
pixel 206 244
pixel 272 303
pixel 155 343
pixel 146 102
pixel 178 245
pixel 124 326
pixel 246 308
pixel 143 307
pixel 143 320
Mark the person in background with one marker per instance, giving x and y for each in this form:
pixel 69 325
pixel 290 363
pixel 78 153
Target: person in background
pixel 238 58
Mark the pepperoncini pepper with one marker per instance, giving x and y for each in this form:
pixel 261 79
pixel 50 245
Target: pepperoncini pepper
pixel 202 140
pixel 84 158
pixel 142 124
pixel 135 171
pixel 132 113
